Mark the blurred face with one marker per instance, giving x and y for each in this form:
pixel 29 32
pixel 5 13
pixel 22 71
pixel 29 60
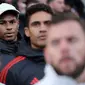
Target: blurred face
pixel 8 1
pixel 8 27
pixel 65 49
pixel 21 6
pixel 43 1
pixel 57 5
pixel 37 28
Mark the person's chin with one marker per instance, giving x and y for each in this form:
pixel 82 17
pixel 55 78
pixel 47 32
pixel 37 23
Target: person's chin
pixel 9 38
pixel 67 69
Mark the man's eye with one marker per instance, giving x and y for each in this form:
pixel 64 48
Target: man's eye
pixel 72 40
pixel 35 24
pixel 48 23
pixel 12 21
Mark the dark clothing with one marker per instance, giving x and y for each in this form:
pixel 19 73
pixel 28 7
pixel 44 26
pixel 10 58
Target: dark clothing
pixel 24 72
pixel 9 50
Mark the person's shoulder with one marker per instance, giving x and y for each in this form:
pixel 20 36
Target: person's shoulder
pixel 26 65
pixel 25 70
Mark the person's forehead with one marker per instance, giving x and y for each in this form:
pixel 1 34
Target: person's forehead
pixel 65 28
pixel 40 12
pixel 41 16
pixel 8 16
pixel 66 23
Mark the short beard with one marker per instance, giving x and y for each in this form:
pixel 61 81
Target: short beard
pixel 75 74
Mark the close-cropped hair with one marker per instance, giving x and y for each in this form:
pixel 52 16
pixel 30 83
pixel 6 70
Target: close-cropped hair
pixel 67 16
pixel 37 8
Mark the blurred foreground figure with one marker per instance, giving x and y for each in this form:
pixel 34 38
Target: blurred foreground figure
pixel 65 51
pixel 56 5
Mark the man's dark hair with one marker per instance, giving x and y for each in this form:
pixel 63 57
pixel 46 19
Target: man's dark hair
pixel 36 8
pixel 66 16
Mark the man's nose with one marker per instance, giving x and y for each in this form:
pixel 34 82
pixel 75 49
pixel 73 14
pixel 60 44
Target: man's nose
pixel 43 28
pixel 64 47
pixel 8 26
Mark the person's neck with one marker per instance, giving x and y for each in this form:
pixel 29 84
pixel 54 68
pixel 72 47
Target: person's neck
pixel 37 47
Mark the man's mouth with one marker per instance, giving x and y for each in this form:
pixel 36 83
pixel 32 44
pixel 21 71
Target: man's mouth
pixel 67 59
pixel 9 34
pixel 43 37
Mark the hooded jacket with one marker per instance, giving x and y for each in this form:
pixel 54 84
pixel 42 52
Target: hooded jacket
pixel 28 71
pixel 9 50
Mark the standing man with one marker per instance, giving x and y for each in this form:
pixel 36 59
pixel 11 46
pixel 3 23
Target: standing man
pixel 30 70
pixel 65 51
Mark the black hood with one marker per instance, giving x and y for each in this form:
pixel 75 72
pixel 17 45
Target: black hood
pixel 32 54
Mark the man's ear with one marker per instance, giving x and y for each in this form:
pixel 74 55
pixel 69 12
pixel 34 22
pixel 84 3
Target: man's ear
pixel 26 30
pixel 47 56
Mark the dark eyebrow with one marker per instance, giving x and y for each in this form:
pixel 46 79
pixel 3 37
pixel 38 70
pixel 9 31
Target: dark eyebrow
pixel 35 22
pixel 47 21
